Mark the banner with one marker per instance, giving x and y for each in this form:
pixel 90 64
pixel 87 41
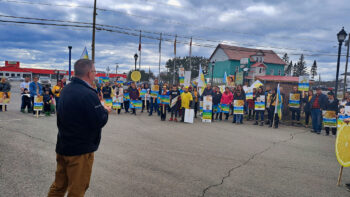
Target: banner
pixel 117 105
pixel 136 104
pixel 249 94
pixel 187 79
pixel 38 103
pixel 216 109
pixel 164 99
pixel 154 94
pixel 329 119
pixel 238 106
pixel 126 97
pixel 225 108
pixel 230 81
pixel 256 84
pixel 5 97
pixel 207 108
pixel 239 78
pixel 143 93
pixel 294 100
pixel 181 75
pixel 303 83
pixel 109 102
pixel 343 136
pixel 260 103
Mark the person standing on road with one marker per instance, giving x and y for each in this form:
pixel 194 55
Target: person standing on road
pixel 259 113
pixel 307 107
pixel 35 89
pixel 6 88
pixel 80 118
pixel 332 105
pixel 25 85
pixel 186 100
pixel 56 90
pixel 134 95
pixel 317 103
pixel 296 110
pixel 174 98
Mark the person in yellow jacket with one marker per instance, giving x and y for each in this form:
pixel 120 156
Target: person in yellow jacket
pixel 186 100
pixel 56 91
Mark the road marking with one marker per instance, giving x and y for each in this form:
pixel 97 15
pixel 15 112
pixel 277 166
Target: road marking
pixel 10 120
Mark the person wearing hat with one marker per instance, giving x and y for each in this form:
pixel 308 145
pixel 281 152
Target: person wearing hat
pixel 331 105
pixel 186 99
pixel 317 103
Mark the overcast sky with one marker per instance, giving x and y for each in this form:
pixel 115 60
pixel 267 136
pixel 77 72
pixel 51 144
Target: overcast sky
pixel 293 27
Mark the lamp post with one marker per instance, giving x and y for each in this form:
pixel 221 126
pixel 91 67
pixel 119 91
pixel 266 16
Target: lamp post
pixel 116 68
pixel 70 63
pixel 212 71
pixel 341 37
pixel 347 43
pixel 135 57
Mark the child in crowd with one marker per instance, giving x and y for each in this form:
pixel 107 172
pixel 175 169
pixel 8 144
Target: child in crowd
pixel 26 102
pixel 47 102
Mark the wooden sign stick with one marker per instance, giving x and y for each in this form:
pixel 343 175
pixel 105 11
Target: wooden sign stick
pixel 340 174
pixel 37 113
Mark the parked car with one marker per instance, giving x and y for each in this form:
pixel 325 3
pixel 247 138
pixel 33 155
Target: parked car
pixel 45 81
pixel 15 79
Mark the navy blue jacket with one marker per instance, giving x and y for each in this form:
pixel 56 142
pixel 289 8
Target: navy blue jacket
pixel 80 118
pixel 322 101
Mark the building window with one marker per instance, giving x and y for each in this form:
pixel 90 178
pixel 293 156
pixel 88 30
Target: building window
pixel 237 69
pixel 7 74
pixel 260 70
pixel 1 74
pixel 18 75
pixel 13 74
pixel 279 72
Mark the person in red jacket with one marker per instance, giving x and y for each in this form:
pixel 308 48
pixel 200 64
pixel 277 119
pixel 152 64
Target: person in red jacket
pixel 226 98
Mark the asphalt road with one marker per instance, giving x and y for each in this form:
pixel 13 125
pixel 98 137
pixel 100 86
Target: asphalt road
pixel 142 156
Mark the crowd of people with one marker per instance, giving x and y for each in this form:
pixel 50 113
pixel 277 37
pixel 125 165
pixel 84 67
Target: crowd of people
pixel 182 98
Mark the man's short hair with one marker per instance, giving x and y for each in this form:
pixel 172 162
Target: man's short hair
pixel 82 67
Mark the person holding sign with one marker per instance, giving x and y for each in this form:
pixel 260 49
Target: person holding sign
pixel 5 87
pixel 134 95
pixel 154 94
pixel 174 102
pixel 186 99
pixel 163 106
pixel 318 103
pixel 35 89
pixel 216 102
pixel 307 106
pixel 273 116
pixel 259 106
pixel 145 97
pixel 330 114
pixel 80 119
pixel 226 99
pixel 295 104
pixel 238 107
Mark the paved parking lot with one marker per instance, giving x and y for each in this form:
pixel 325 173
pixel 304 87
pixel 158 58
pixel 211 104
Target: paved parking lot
pixel 142 156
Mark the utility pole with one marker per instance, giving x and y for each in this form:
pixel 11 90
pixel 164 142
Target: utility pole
pixel 160 53
pixel 174 59
pixel 116 68
pixel 347 43
pixel 93 33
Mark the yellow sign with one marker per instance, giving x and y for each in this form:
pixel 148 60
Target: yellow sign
pixel 342 145
pixel 136 76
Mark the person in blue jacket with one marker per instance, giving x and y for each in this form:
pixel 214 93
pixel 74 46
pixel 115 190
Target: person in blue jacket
pixel 80 119
pixel 318 103
pixel 35 89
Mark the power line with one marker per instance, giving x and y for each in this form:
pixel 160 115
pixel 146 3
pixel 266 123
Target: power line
pixel 152 32
pixel 162 19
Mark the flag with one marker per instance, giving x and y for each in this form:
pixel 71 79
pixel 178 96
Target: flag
pixel 278 107
pixel 175 45
pixel 84 55
pixel 201 80
pixel 140 42
pixel 225 77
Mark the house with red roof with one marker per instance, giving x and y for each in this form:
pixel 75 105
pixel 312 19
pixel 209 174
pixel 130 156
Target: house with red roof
pixel 252 62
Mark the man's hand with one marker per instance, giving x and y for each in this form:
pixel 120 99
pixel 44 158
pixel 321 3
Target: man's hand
pixel 109 109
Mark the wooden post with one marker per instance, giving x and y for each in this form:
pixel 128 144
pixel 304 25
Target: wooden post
pixel 340 174
pixel 37 113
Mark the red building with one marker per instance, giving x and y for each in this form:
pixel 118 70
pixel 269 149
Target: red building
pixel 13 69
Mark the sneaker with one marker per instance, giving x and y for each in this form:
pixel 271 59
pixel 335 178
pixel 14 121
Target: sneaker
pixel 22 110
pixel 255 123
pixel 171 119
pixel 261 123
pixel 175 120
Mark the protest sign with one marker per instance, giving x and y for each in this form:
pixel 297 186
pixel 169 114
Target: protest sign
pixel 216 109
pixel 303 83
pixel 249 94
pixel 38 103
pixel 294 100
pixel 164 99
pixel 207 108
pixel 187 79
pixel 181 75
pixel 230 81
pixel 238 106
pixel 174 101
pixel 239 78
pixel 136 104
pixel 5 97
pixel 126 96
pixel 329 119
pixel 143 93
pixel 109 102
pixel 343 140
pixel 225 108
pixel 189 114
pixel 256 84
pixel 260 103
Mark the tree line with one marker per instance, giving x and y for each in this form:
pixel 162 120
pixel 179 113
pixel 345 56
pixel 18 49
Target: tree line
pixel 299 68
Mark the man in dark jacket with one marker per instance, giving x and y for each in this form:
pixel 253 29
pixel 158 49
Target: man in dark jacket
pixel 318 103
pixel 207 91
pixel 134 95
pixel 80 118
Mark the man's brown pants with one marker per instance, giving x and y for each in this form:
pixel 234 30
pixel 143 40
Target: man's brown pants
pixel 72 174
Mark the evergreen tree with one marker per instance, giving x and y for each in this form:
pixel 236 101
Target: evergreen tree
pixel 145 76
pixel 295 70
pixel 314 69
pixel 301 67
pixel 285 58
pixel 289 69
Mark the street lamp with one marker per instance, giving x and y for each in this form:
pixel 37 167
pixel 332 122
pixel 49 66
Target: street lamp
pixel 116 68
pixel 212 71
pixel 341 37
pixel 135 56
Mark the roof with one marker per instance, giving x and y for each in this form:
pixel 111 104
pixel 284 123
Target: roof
pixel 278 78
pixel 14 69
pixel 237 53
pixel 42 71
pixel 258 64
